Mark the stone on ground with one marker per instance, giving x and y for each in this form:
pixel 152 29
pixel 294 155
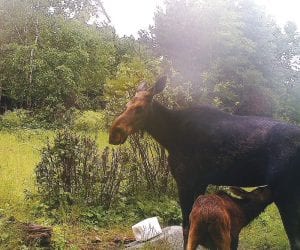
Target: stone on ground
pixel 171 238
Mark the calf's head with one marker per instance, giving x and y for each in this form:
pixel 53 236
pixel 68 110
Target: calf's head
pixel 134 118
pixel 258 195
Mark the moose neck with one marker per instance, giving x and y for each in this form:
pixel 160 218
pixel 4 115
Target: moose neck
pixel 160 125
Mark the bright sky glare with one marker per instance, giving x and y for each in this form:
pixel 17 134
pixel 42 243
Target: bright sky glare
pixel 129 16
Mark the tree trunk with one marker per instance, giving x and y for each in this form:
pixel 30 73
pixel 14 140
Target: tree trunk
pixel 32 54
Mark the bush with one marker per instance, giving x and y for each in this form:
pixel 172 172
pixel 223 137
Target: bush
pixel 55 117
pixel 15 119
pixel 73 171
pixel 89 121
pixel 152 168
pixel 168 210
pixel 38 119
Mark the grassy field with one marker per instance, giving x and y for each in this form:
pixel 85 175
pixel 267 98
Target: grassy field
pixel 20 152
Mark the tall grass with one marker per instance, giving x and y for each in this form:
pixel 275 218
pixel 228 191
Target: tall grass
pixel 18 157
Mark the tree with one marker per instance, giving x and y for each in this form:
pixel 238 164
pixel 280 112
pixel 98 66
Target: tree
pixel 231 51
pixel 47 60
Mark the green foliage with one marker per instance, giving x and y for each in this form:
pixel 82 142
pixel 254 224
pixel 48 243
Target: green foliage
pixel 81 10
pixel 90 121
pixel 72 171
pixel 24 119
pixel 227 49
pixel 59 239
pixel 129 74
pixel 11 236
pixel 168 210
pixel 149 168
pixel 48 61
pixel 54 117
pixel 124 213
pixel 54 61
pixel 74 65
pixel 226 96
pixel 15 119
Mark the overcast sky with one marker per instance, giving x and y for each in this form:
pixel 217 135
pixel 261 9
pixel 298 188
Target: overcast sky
pixel 129 16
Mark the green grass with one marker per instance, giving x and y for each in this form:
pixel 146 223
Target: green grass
pixel 18 157
pixel 265 232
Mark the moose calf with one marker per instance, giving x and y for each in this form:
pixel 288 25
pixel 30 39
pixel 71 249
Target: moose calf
pixel 216 220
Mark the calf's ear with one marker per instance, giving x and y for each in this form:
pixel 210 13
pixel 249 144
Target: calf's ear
pixel 159 85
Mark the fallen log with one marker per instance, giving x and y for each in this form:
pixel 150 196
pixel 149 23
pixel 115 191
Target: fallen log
pixel 37 235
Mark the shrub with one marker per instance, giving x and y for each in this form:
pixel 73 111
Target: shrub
pixel 55 117
pixel 151 166
pixel 15 119
pixel 168 210
pixel 73 171
pixel 89 121
pixel 38 119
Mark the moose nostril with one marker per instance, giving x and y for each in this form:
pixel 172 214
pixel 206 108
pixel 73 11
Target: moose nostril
pixel 117 136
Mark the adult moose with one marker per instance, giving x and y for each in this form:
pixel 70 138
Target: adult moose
pixel 208 146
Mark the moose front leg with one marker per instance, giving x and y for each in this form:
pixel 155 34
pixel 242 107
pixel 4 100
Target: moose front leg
pixel 186 199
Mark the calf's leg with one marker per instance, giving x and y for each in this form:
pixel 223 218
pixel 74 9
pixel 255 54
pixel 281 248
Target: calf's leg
pixel 193 238
pixel 222 240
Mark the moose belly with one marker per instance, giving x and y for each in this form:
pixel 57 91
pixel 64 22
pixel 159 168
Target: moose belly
pixel 245 177
pixel 236 171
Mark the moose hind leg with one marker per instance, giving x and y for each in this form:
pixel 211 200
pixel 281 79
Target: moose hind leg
pixel 289 209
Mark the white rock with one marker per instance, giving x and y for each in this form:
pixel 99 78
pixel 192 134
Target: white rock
pixel 146 229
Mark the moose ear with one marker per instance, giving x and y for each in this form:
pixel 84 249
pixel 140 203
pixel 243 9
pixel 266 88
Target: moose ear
pixel 142 87
pixel 239 192
pixel 159 85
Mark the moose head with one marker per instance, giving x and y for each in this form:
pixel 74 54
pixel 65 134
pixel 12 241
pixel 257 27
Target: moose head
pixel 134 118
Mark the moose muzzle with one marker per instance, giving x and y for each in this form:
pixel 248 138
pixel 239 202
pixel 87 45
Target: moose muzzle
pixel 117 136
